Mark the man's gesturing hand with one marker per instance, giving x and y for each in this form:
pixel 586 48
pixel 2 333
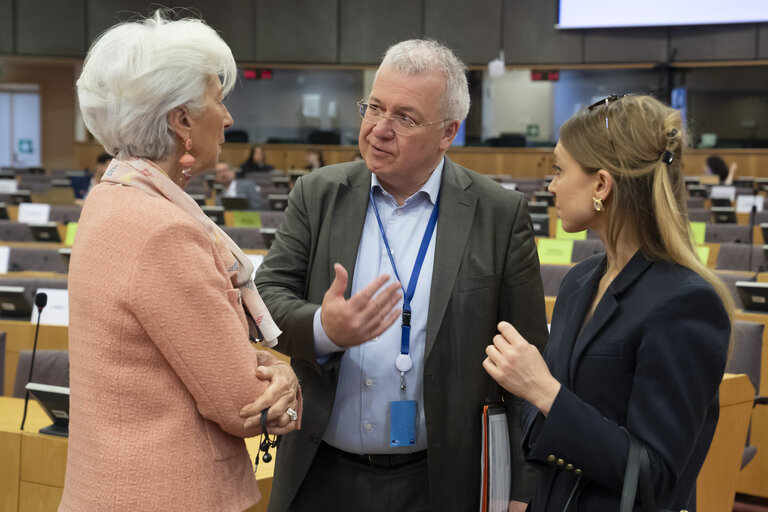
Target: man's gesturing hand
pixel 363 317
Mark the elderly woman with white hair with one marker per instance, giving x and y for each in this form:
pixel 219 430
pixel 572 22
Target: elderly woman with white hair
pixel 162 305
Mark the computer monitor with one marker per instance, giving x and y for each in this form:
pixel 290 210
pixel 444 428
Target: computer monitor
pixel 754 296
pixel 721 202
pixel 744 182
pixel 215 213
pixel 541 195
pixel 724 215
pixel 691 180
pixel 45 232
pixel 21 196
pixel 14 303
pixel 199 199
pixel 55 402
pixel 268 235
pixel 538 207
pixel 235 203
pixel 283 182
pixel 540 223
pixel 278 202
pixel 296 174
pixel 66 254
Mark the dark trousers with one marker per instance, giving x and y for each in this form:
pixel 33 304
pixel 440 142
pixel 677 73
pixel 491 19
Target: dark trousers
pixel 335 483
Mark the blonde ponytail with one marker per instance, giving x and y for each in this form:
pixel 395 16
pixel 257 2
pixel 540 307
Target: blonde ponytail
pixel 641 147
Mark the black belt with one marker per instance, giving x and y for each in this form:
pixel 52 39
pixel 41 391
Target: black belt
pixel 377 460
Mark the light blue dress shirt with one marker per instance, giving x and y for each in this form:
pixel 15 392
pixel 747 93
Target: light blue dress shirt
pixel 368 379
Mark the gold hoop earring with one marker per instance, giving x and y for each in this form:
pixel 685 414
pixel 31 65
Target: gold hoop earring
pixel 597 203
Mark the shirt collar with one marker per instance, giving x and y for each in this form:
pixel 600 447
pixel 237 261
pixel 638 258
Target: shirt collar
pixel 431 187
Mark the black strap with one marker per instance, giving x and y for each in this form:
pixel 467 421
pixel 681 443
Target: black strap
pixel 638 470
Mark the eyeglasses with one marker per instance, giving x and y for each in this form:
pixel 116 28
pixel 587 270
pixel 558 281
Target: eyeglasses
pixel 401 124
pixel 604 102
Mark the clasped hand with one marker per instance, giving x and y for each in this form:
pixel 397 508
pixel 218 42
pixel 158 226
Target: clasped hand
pixel 519 368
pixel 363 317
pixel 281 393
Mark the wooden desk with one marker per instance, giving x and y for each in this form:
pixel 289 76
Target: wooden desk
pixel 20 335
pixel 716 484
pixel 33 465
pixel 32 472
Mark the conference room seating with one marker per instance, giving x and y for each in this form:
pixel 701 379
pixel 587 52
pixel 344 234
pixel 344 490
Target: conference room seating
pixel 36 259
pixel 583 249
pixel 745 358
pixel 32 283
pixel 699 215
pixel 11 231
pixel 51 367
pixel 724 233
pixel 734 256
pixel 729 278
pixel 245 238
pixel 552 276
pixel 64 213
pixel 271 218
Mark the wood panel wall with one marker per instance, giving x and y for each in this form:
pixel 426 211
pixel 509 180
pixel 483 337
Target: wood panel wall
pixel 520 162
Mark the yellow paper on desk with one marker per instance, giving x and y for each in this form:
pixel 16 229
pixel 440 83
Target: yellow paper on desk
pixel 555 252
pixel 703 252
pixel 564 235
pixel 699 232
pixel 246 219
pixel 71 230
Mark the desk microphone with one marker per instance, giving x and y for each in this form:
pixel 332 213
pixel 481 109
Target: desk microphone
pixel 752 215
pixel 41 299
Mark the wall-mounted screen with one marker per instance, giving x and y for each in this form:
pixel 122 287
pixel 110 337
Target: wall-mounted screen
pixel 626 13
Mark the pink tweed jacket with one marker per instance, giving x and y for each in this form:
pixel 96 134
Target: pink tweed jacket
pixel 160 363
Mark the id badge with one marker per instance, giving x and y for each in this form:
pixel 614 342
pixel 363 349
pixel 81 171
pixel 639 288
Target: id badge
pixel 402 423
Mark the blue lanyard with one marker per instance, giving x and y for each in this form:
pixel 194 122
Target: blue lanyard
pixel 408 294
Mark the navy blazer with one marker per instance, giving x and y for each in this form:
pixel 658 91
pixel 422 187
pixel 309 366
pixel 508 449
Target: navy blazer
pixel 650 359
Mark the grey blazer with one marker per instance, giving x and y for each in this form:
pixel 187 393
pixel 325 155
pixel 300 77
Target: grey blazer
pixel 486 269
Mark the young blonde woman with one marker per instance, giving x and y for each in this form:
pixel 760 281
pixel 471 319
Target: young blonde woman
pixel 640 334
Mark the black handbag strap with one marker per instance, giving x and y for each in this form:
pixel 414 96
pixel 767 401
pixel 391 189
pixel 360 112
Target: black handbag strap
pixel 638 471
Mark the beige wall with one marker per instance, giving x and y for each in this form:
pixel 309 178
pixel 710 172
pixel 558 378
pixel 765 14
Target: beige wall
pixel 57 105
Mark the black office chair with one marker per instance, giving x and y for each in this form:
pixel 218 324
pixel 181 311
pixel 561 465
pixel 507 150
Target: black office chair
pixel 51 367
pixel 552 277
pixel 745 358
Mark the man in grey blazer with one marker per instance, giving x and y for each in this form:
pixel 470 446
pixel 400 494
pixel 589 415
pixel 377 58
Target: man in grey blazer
pixel 231 187
pixel 391 366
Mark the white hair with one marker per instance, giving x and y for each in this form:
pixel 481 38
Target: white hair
pixel 416 56
pixel 135 73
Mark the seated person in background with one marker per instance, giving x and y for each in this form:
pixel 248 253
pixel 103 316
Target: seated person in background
pixel 716 165
pixel 314 159
pixel 225 176
pixel 256 161
pixel 102 161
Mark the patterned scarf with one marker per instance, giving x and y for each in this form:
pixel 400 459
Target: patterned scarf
pixel 147 177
